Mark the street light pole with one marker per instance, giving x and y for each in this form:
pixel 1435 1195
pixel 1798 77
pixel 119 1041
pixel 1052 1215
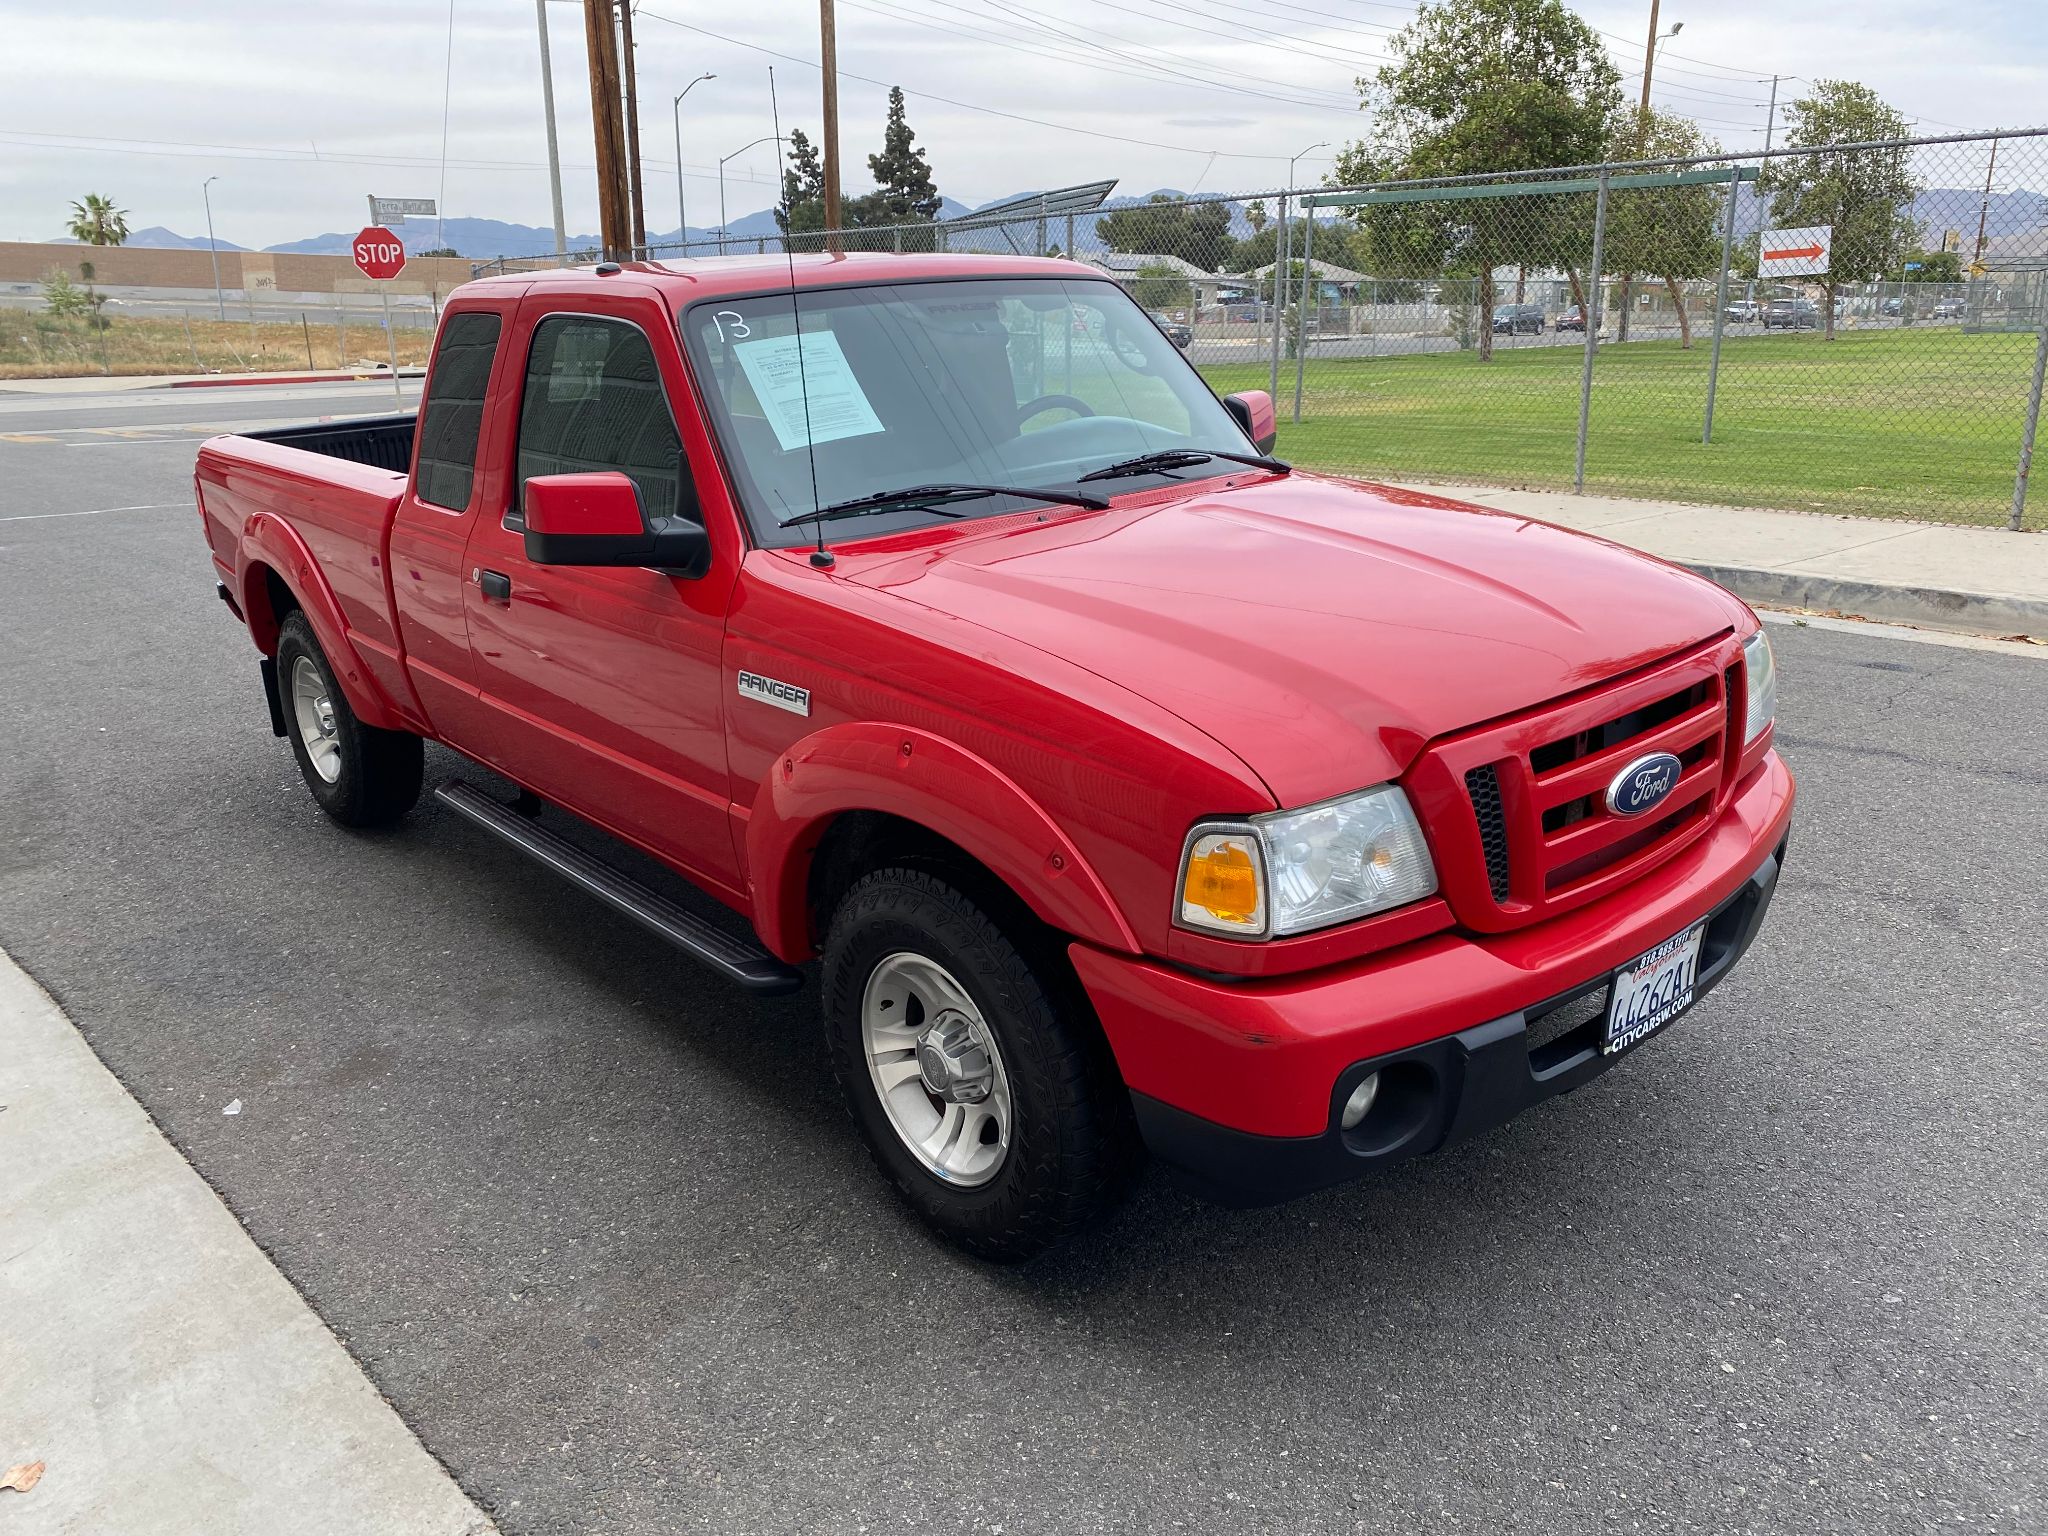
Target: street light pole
pixel 1281 244
pixel 766 138
pixel 1642 151
pixel 682 213
pixel 220 304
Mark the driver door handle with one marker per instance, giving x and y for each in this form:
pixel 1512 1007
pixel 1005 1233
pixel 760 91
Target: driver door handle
pixel 497 586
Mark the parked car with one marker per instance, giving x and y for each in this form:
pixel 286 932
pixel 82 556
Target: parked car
pixel 1518 319
pixel 1893 306
pixel 1179 332
pixel 1122 793
pixel 1791 315
pixel 1571 318
pixel 1947 309
pixel 1743 312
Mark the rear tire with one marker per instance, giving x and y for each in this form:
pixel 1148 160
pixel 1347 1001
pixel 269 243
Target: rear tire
pixel 359 775
pixel 1029 1140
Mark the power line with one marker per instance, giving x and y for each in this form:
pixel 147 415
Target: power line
pixel 965 106
pixel 1064 28
pixel 1030 42
pixel 261 154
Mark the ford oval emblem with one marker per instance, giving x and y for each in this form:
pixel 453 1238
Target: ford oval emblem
pixel 1643 784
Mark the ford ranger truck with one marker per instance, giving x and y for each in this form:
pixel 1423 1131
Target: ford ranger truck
pixel 1131 790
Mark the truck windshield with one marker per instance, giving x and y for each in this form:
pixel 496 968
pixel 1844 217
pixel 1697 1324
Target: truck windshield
pixel 1000 381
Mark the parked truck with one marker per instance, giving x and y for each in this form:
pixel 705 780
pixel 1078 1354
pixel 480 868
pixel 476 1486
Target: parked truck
pixel 1128 789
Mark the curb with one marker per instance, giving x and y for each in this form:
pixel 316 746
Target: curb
pixel 1977 613
pixel 229 381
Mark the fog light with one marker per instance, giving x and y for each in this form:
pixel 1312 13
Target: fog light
pixel 1360 1103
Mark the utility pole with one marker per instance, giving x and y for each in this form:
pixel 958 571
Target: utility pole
pixel 614 204
pixel 1771 122
pixel 1649 59
pixel 1984 207
pixel 828 49
pixel 547 100
pixel 629 70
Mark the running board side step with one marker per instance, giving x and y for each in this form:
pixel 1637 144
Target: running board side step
pixel 747 964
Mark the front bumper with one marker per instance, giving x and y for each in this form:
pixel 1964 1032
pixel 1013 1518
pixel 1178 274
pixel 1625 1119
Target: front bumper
pixel 1240 1086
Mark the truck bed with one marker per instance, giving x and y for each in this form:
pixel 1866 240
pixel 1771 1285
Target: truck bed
pixel 381 442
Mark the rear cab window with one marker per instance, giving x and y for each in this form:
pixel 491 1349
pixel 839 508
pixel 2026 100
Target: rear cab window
pixel 453 413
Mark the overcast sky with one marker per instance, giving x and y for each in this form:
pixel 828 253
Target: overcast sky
pixel 301 109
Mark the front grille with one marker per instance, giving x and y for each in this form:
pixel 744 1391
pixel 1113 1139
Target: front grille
pixel 1483 785
pixel 1532 790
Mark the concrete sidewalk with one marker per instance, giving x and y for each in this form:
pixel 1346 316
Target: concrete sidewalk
pixel 170 1380
pixel 1978 580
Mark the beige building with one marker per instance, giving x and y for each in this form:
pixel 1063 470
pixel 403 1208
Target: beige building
pixel 257 274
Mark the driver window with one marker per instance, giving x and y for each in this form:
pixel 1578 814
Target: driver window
pixel 594 401
pixel 1077 359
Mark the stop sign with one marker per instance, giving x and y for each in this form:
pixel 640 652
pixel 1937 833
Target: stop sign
pixel 378 253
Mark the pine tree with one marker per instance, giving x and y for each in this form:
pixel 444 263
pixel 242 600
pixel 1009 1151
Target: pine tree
pixel 905 192
pixel 801 207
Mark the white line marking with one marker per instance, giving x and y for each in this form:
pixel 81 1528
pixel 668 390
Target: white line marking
pixel 147 506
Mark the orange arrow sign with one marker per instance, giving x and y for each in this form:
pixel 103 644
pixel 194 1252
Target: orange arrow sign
pixel 1797 252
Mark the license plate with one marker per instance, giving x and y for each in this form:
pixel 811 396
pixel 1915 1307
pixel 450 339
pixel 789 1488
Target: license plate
pixel 1652 990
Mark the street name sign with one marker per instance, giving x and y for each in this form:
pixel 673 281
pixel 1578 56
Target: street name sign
pixel 392 210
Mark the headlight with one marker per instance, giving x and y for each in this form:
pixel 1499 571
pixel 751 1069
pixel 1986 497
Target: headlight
pixel 1762 669
pixel 1291 871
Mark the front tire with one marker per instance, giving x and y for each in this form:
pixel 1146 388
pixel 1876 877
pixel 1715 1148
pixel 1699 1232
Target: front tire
pixel 984 1092
pixel 359 775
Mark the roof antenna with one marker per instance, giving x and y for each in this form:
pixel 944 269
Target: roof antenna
pixel 821 557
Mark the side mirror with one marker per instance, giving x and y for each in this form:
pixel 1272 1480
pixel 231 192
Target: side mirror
pixel 595 519
pixel 1254 412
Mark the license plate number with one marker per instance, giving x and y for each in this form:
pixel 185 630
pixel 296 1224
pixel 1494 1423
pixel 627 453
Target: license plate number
pixel 1652 990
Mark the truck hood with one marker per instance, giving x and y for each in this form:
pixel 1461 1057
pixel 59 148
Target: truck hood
pixel 1323 630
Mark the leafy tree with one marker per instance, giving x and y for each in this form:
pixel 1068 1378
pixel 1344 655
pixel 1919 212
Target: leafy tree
pixel 1668 232
pixel 1479 86
pixel 1863 194
pixel 96 221
pixel 903 181
pixel 1198 233
pixel 1158 286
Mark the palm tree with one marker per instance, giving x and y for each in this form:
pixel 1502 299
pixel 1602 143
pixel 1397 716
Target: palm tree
pixel 96 221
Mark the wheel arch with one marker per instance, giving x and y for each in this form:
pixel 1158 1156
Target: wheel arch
pixel 279 576
pixel 852 797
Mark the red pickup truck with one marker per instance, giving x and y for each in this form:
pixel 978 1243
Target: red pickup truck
pixel 1134 790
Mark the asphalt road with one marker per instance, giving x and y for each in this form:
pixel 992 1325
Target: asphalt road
pixel 600 1230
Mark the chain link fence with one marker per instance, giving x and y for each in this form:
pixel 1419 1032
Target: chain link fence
pixel 1613 328
pixel 91 332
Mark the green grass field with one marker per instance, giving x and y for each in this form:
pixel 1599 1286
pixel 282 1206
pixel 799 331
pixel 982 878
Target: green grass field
pixel 1923 423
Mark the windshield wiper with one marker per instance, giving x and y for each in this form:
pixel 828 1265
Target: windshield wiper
pixel 932 498
pixel 1182 458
